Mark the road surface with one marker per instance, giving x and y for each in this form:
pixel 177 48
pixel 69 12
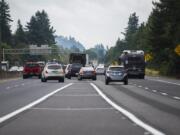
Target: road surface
pixel 144 107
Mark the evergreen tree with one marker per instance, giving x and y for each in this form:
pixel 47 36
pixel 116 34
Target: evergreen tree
pixel 5 19
pixel 39 29
pixel 20 35
pixel 131 31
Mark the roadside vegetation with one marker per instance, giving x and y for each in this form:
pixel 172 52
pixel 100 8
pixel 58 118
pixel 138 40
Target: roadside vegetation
pixel 158 37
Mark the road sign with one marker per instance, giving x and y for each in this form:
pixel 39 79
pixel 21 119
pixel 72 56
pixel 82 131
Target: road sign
pixel 177 50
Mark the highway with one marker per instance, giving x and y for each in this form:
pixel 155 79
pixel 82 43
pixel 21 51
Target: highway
pixel 143 107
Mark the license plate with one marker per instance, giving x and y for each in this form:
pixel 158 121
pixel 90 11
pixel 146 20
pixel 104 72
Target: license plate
pixel 55 72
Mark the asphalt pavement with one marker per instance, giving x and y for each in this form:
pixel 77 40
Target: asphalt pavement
pixel 144 107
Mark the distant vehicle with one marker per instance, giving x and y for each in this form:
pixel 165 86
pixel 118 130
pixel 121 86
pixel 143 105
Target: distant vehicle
pixel 32 69
pixel 13 68
pixel 73 70
pixel 116 74
pixel 41 63
pixel 81 58
pixel 87 73
pixel 20 69
pixel 134 62
pixel 4 65
pixel 67 71
pixel 52 72
pixel 100 70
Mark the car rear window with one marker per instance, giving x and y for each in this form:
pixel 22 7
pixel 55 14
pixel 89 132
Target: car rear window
pixel 116 68
pixel 77 65
pixel 32 65
pixel 54 67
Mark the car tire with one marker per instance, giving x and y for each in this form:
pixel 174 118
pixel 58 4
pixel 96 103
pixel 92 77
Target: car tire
pixel 39 76
pixel 126 82
pixel 106 82
pixel 94 78
pixel 79 77
pixel 24 76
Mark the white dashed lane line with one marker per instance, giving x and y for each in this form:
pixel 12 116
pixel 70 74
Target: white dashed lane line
pixel 158 92
pixel 178 98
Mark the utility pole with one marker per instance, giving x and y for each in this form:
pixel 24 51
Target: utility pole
pixel 3 55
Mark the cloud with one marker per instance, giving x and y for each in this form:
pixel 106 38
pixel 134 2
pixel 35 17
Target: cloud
pixel 89 21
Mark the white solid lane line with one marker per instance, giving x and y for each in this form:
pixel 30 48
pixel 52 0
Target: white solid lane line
pixel 10 115
pixel 128 114
pixel 163 81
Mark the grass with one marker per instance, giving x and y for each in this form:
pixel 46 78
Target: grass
pixel 152 72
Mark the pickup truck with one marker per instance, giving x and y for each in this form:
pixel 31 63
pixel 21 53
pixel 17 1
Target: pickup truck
pixel 32 69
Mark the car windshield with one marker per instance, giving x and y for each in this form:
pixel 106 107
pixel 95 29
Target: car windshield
pixel 54 67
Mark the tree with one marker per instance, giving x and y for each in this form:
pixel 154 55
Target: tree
pixel 5 19
pixel 39 29
pixel 20 35
pixel 131 31
pixel 163 35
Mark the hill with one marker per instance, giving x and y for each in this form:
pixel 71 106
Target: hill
pixel 68 43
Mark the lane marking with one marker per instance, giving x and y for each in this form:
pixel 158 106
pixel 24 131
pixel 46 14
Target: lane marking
pixel 131 116
pixel 154 91
pixel 12 114
pixel 22 84
pixel 146 88
pixel 16 85
pixel 164 81
pixel 178 98
pixel 8 88
pixel 140 86
pixel 80 95
pixel 165 94
pixel 72 109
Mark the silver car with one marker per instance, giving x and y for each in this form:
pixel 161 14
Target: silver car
pixel 53 72
pixel 116 74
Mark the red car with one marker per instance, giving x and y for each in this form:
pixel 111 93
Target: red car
pixel 32 69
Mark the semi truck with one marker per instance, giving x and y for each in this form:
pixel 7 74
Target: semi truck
pixel 134 62
pixel 81 58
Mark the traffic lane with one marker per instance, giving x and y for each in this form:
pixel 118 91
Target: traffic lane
pixel 162 88
pixel 17 97
pixel 164 80
pixel 74 112
pixel 154 109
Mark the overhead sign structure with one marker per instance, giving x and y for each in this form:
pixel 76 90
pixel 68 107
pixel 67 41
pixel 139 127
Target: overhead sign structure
pixel 43 49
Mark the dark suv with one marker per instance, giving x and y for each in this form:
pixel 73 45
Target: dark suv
pixel 73 70
pixel 32 69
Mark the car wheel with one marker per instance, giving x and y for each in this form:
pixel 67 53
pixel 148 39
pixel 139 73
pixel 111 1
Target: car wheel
pixel 79 77
pixel 94 78
pixel 126 82
pixel 39 76
pixel 24 76
pixel 106 82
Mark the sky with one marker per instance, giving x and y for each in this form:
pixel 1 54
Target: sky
pixel 91 22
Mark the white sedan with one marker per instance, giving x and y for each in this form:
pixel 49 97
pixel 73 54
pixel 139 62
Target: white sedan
pixel 52 72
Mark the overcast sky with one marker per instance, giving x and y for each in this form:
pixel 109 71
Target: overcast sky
pixel 89 21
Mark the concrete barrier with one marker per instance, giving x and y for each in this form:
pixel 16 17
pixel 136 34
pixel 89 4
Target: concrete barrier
pixel 8 75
